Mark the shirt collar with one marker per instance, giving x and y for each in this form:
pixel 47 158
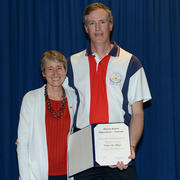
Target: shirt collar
pixel 114 51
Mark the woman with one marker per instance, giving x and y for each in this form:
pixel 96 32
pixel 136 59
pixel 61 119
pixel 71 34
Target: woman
pixel 45 121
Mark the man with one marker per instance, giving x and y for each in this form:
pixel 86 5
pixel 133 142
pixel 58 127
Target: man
pixel 112 87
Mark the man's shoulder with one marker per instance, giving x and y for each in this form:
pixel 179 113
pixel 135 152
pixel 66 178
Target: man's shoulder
pixel 124 53
pixel 131 60
pixel 78 55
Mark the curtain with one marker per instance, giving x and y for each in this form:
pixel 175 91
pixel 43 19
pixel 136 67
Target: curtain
pixel 148 29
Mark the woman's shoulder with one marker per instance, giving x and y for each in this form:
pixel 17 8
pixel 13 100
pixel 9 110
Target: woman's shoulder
pixel 35 92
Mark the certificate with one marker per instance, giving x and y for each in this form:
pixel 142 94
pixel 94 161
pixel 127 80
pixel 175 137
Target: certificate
pixel 111 144
pixel 98 145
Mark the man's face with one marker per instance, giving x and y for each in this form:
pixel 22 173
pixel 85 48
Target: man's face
pixel 98 27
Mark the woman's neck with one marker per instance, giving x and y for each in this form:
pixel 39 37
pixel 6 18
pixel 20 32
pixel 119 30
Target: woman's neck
pixel 55 93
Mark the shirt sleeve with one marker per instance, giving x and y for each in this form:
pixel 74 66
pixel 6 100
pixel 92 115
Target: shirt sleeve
pixel 138 87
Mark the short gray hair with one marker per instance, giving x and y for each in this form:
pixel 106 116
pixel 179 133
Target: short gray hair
pixel 52 55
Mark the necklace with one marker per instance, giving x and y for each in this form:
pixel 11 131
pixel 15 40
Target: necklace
pixel 62 107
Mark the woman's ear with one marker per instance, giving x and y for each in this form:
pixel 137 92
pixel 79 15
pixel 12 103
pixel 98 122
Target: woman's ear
pixel 43 75
pixel 86 29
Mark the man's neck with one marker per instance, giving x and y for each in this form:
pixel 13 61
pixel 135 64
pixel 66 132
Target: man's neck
pixel 101 49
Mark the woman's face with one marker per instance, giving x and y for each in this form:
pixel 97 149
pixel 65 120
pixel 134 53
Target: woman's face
pixel 55 73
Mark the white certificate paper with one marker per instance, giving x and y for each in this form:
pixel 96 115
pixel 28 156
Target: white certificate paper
pixel 111 144
pixel 98 145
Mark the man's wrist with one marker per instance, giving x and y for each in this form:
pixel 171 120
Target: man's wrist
pixel 133 147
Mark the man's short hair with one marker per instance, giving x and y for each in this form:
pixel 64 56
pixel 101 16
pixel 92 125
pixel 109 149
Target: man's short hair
pixel 95 6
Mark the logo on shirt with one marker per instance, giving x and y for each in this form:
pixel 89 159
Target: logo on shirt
pixel 115 78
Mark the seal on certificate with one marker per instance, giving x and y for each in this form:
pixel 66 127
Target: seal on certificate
pixel 115 78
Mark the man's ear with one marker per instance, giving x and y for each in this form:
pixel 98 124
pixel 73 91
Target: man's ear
pixel 110 27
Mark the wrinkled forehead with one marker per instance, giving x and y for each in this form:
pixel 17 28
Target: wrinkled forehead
pixel 98 14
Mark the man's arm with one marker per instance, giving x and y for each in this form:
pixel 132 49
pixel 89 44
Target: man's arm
pixel 136 124
pixel 136 130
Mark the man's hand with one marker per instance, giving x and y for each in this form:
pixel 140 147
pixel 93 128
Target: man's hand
pixel 120 164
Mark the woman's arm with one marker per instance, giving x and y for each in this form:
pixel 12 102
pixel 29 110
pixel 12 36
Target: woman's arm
pixel 23 138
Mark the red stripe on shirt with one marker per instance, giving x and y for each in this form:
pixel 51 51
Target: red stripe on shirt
pixel 99 104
